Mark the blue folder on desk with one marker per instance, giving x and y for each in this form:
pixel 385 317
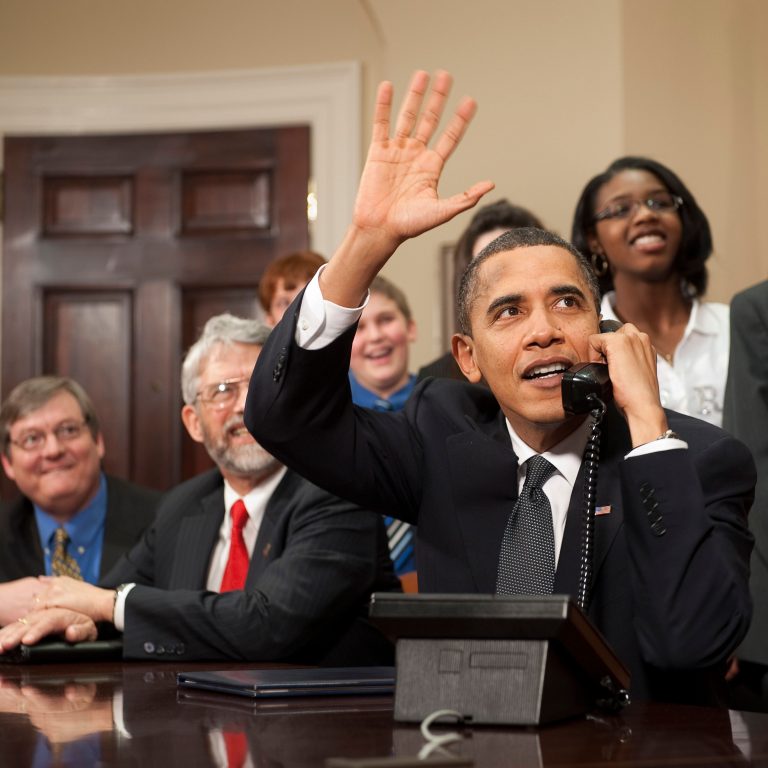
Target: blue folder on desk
pixel 274 683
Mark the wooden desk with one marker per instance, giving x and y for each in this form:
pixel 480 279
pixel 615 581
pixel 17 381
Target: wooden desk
pixel 132 714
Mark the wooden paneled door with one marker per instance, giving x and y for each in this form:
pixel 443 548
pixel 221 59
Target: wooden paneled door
pixel 118 248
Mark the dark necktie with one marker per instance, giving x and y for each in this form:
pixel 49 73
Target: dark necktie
pixel 237 563
pixel 527 559
pixel 62 563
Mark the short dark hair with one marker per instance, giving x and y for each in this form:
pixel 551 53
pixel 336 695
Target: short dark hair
pixel 391 291
pixel 499 215
pixel 34 393
pixel 524 237
pixel 296 269
pixel 695 244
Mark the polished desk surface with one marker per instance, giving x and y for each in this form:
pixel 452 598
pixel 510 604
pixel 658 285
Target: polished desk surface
pixel 114 713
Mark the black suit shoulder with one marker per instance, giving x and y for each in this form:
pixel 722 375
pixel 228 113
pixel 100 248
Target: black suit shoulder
pixel 187 494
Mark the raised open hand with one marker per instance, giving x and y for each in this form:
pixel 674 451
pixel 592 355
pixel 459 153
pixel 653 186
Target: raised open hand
pixel 398 190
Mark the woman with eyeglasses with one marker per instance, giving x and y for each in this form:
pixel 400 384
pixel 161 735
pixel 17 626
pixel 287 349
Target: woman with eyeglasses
pixel 648 242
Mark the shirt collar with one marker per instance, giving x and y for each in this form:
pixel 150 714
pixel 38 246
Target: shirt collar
pixel 367 399
pixel 699 321
pixel 84 527
pixel 256 499
pixel 566 456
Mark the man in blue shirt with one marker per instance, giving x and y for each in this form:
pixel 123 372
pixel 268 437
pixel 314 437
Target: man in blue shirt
pixel 379 379
pixel 71 518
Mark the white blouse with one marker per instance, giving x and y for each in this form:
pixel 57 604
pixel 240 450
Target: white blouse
pixel 695 382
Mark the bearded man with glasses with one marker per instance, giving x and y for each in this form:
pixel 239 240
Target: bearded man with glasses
pixel 247 561
pixel 70 518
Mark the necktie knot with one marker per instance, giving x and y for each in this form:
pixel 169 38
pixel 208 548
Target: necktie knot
pixel 239 515
pixel 537 471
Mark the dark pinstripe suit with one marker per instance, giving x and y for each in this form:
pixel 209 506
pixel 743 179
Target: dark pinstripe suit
pixel 315 562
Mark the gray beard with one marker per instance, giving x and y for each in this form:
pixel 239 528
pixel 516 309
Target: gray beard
pixel 244 460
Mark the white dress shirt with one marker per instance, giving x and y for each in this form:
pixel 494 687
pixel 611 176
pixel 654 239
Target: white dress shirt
pixel 694 383
pixel 256 504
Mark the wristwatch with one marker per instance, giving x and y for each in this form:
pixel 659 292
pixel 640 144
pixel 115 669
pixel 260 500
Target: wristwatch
pixel 668 434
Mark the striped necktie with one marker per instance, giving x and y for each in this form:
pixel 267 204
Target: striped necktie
pixel 400 538
pixel 62 563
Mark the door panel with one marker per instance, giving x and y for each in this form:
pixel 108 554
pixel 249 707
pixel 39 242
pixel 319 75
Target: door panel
pixel 118 248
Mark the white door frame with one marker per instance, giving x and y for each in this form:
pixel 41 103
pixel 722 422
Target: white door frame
pixel 326 97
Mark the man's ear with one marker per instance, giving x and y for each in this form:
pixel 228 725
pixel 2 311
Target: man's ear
pixel 8 467
pixel 192 423
pixel 463 348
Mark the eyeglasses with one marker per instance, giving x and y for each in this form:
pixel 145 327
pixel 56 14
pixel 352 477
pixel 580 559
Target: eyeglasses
pixel 35 439
pixel 222 395
pixel 623 209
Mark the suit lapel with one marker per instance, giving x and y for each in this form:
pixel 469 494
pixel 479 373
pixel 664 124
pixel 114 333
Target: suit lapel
pixel 614 435
pixel 24 539
pixel 482 508
pixel 115 542
pixel 267 548
pixel 196 539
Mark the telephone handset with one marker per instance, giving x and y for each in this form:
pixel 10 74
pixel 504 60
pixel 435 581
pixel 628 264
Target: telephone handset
pixel 586 388
pixel 585 383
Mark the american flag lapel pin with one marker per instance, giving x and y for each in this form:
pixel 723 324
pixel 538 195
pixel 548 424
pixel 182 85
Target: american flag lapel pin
pixel 604 510
pixel 267 549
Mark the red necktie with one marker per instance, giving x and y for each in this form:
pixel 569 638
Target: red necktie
pixel 236 744
pixel 237 563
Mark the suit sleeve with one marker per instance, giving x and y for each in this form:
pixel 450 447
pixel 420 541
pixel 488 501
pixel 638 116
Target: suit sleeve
pixel 299 603
pixel 745 415
pixel 689 545
pixel 300 409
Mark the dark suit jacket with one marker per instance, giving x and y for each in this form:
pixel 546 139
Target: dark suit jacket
pixel 443 367
pixel 315 562
pixel 669 598
pixel 745 414
pixel 130 509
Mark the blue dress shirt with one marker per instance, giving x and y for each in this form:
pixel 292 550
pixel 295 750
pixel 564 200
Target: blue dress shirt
pixel 86 534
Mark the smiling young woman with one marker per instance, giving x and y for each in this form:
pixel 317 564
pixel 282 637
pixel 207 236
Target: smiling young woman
pixel 648 242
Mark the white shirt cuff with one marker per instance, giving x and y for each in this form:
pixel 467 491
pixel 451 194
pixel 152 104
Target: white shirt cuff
pixel 320 321
pixel 118 617
pixel 656 446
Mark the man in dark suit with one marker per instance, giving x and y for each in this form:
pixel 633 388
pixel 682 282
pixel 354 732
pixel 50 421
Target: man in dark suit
pixel 309 560
pixel 52 449
pixel 745 415
pixel 669 590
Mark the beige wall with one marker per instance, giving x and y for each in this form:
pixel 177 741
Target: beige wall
pixel 563 86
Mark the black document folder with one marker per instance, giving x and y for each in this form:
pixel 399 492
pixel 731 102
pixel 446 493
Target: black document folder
pixel 275 683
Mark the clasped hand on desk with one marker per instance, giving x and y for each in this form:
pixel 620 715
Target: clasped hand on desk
pixel 61 606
